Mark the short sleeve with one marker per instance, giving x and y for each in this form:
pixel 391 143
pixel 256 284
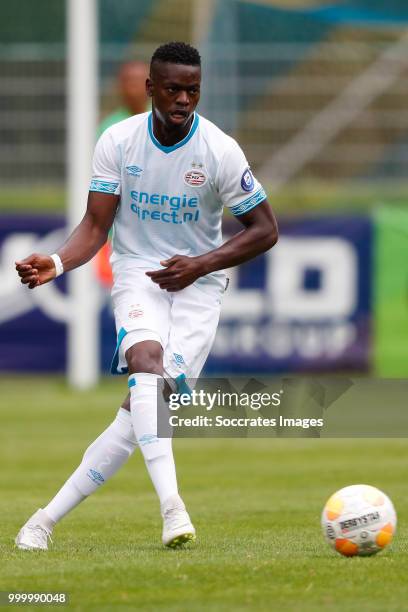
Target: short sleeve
pixel 106 175
pixel 238 188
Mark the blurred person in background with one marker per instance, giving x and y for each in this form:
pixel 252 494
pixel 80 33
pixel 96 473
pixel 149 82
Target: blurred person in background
pixel 162 178
pixel 132 91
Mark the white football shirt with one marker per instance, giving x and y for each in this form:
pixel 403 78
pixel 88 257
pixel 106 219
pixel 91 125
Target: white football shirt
pixel 171 198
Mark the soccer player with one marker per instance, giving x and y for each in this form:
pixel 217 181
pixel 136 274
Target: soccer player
pixel 161 179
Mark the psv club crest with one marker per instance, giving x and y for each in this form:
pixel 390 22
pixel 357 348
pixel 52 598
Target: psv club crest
pixel 195 177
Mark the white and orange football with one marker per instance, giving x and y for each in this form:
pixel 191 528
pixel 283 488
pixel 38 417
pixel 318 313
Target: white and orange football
pixel 359 520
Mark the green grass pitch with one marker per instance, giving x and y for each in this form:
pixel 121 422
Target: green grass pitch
pixel 256 505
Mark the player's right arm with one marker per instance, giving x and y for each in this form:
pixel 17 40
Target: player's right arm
pixel 92 232
pixel 83 244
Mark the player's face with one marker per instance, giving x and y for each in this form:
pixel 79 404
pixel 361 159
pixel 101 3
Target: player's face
pixel 175 90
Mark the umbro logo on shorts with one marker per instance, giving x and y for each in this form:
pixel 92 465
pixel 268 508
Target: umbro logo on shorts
pixel 178 358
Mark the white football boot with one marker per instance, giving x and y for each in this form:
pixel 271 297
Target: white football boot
pixel 177 526
pixel 36 532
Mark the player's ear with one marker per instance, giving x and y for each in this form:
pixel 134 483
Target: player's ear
pixel 149 87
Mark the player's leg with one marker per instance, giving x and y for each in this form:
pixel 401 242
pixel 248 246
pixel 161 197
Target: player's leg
pixel 193 324
pixel 145 363
pixel 194 321
pixel 103 458
pixel 142 313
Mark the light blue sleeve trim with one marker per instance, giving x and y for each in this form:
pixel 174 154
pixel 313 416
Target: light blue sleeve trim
pixel 246 205
pixel 115 359
pixel 103 186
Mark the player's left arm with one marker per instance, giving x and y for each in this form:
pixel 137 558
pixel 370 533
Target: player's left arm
pixel 260 233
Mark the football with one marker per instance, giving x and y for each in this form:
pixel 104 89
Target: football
pixel 359 520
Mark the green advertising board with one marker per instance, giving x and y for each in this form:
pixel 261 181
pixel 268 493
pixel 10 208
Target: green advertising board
pixel 391 293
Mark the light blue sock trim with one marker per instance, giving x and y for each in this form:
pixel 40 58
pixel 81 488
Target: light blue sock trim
pixel 182 386
pixel 115 359
pixel 132 381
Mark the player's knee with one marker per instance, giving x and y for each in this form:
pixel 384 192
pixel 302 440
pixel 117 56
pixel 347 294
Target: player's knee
pixel 126 403
pixel 145 357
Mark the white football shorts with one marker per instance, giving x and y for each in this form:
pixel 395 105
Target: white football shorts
pixel 184 322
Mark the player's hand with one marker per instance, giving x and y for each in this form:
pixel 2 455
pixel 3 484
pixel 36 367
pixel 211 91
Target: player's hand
pixel 179 272
pixel 35 270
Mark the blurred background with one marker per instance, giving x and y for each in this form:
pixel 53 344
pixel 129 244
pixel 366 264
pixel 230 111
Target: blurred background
pixel 315 91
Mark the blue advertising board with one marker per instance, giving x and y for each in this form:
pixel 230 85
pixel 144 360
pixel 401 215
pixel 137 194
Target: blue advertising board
pixel 303 306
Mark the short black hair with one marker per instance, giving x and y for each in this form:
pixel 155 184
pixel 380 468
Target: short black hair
pixel 177 53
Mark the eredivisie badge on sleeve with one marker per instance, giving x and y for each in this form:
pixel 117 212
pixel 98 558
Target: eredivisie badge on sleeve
pixel 247 180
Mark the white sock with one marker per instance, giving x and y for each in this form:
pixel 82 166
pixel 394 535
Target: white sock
pixel 157 452
pixel 100 462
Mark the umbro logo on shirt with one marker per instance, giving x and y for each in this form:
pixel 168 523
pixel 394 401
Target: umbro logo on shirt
pixel 134 170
